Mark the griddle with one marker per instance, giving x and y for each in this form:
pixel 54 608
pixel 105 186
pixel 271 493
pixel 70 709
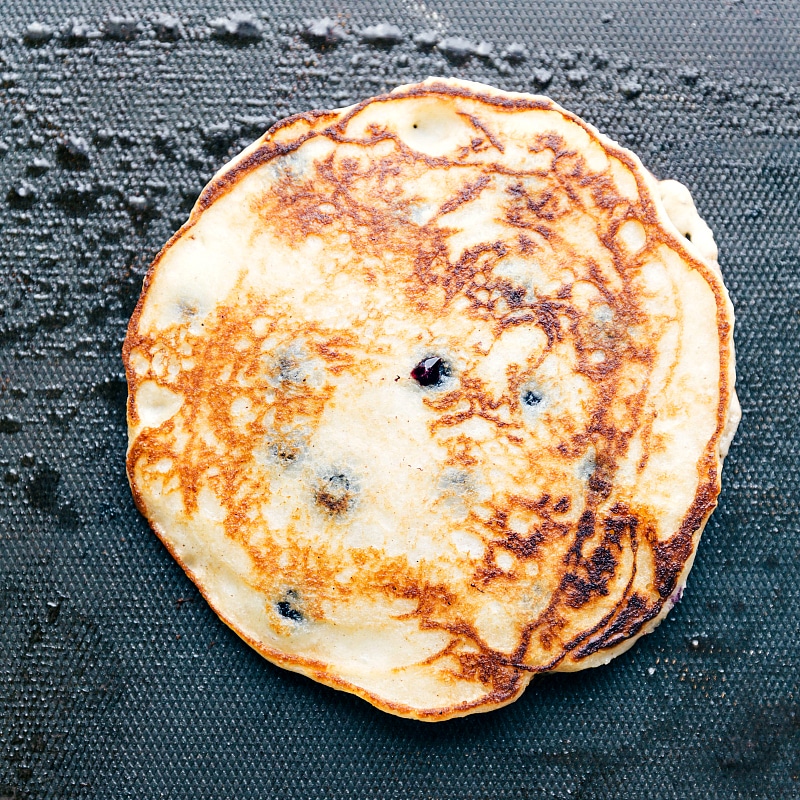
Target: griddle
pixel 116 679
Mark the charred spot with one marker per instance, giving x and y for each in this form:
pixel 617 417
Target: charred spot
pixel 605 193
pixel 602 562
pixel 599 485
pixel 468 193
pixel 562 506
pixel 335 494
pixel 526 244
pixel 431 371
pixel 487 573
pixel 547 318
pixel 523 546
pixel 670 556
pixel 578 590
pixel 618 524
pixel 489 670
pixel 585 530
pixel 626 623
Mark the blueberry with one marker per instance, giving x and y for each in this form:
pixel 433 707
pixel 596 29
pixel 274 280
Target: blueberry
pixel 334 494
pixel 430 371
pixel 287 607
pixel 531 398
pixel 287 612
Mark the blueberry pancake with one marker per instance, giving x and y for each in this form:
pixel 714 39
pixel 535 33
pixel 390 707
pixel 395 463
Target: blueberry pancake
pixel 431 394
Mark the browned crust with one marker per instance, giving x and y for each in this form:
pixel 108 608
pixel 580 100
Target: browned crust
pixel 511 674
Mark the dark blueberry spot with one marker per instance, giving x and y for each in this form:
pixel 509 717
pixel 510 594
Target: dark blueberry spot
pixel 515 296
pixel 531 398
pixel 22 194
pixel 689 75
pixel 38 166
pixel 334 494
pixel 284 451
pixel 290 368
pixel 288 611
pixel 430 371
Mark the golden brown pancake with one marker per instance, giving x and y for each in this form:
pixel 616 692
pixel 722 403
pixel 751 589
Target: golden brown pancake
pixel 431 394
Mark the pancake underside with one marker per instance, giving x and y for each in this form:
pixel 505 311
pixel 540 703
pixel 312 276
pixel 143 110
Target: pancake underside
pixel 534 501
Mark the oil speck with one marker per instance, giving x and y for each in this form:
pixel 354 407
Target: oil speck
pixel 323 31
pixel 37 33
pixel 577 77
pixel 382 34
pixel 426 40
pixel 121 28
pixel 630 89
pixel 167 27
pixel 515 53
pixel 78 33
pixel 456 48
pixel 240 27
pixel 541 77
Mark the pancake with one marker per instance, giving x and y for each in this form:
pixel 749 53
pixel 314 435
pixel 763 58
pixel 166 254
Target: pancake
pixel 431 394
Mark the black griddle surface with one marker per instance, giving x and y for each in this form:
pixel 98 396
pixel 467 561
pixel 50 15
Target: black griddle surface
pixel 116 679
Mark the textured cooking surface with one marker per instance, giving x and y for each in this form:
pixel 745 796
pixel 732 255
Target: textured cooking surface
pixel 117 680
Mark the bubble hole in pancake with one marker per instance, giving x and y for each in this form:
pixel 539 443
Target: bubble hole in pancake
pixel 431 394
